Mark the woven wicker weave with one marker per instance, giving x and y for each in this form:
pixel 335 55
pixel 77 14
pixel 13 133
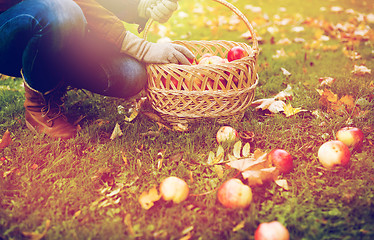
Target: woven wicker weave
pixel 183 94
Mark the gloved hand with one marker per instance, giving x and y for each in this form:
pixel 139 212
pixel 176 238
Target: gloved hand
pixel 158 10
pixel 159 53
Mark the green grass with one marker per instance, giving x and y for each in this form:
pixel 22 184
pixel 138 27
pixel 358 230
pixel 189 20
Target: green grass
pixel 65 186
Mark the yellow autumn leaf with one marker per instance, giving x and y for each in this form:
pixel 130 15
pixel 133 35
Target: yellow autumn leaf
pixel 348 101
pixel 147 198
pixel 290 111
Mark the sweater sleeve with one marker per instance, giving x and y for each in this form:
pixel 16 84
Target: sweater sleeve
pixel 104 22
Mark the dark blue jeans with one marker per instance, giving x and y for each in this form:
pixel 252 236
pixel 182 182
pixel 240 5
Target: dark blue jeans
pixel 48 40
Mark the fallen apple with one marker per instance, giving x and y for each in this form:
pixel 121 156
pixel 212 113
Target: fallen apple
pixel 281 159
pixel 174 189
pixel 226 134
pixel 271 231
pixel 333 153
pixel 351 136
pixel 234 194
pixel 236 53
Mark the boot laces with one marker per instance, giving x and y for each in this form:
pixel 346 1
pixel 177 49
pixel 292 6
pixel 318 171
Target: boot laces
pixel 53 110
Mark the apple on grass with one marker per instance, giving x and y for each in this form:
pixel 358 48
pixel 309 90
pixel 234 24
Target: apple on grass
pixel 351 136
pixel 333 153
pixel 271 231
pixel 174 189
pixel 236 53
pixel 281 159
pixel 234 194
pixel 227 134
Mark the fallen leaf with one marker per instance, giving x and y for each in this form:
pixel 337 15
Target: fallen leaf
pixel 239 226
pixel 282 183
pixel 285 72
pixel 286 94
pixel 180 127
pixel 219 171
pixel 274 106
pixel 259 177
pixel 348 101
pixel 326 81
pixel 133 115
pixel 147 198
pixel 117 132
pixel 361 70
pixel 290 111
pixel 37 235
pixel 6 140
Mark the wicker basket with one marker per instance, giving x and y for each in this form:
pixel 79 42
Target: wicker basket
pixel 184 94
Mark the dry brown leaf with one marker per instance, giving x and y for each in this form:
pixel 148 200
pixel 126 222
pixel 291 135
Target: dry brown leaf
pixel 147 198
pixel 6 140
pixel 117 132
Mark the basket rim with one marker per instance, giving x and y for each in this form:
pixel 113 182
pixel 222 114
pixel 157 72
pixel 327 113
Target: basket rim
pixel 228 93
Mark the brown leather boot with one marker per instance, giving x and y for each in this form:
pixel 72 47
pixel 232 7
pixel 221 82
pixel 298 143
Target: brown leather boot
pixel 43 113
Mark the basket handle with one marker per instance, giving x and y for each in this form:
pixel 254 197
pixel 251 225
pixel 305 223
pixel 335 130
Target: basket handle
pixel 232 8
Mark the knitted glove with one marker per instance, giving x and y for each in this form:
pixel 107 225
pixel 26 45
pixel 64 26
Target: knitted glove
pixel 158 10
pixel 160 53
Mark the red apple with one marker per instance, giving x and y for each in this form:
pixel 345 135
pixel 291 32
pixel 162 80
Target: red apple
pixel 226 134
pixel 174 189
pixel 191 60
pixel 235 53
pixel 333 153
pixel 281 159
pixel 351 136
pixel 271 231
pixel 234 194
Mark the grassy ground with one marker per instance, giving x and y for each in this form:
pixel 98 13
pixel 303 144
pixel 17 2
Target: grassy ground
pixel 71 183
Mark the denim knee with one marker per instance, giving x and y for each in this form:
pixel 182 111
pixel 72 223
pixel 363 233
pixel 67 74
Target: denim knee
pixel 130 78
pixel 63 22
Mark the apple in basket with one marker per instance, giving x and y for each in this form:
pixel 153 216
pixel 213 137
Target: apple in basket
pixel 196 85
pixel 212 60
pixel 204 56
pixel 236 53
pixel 173 82
pixel 222 82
